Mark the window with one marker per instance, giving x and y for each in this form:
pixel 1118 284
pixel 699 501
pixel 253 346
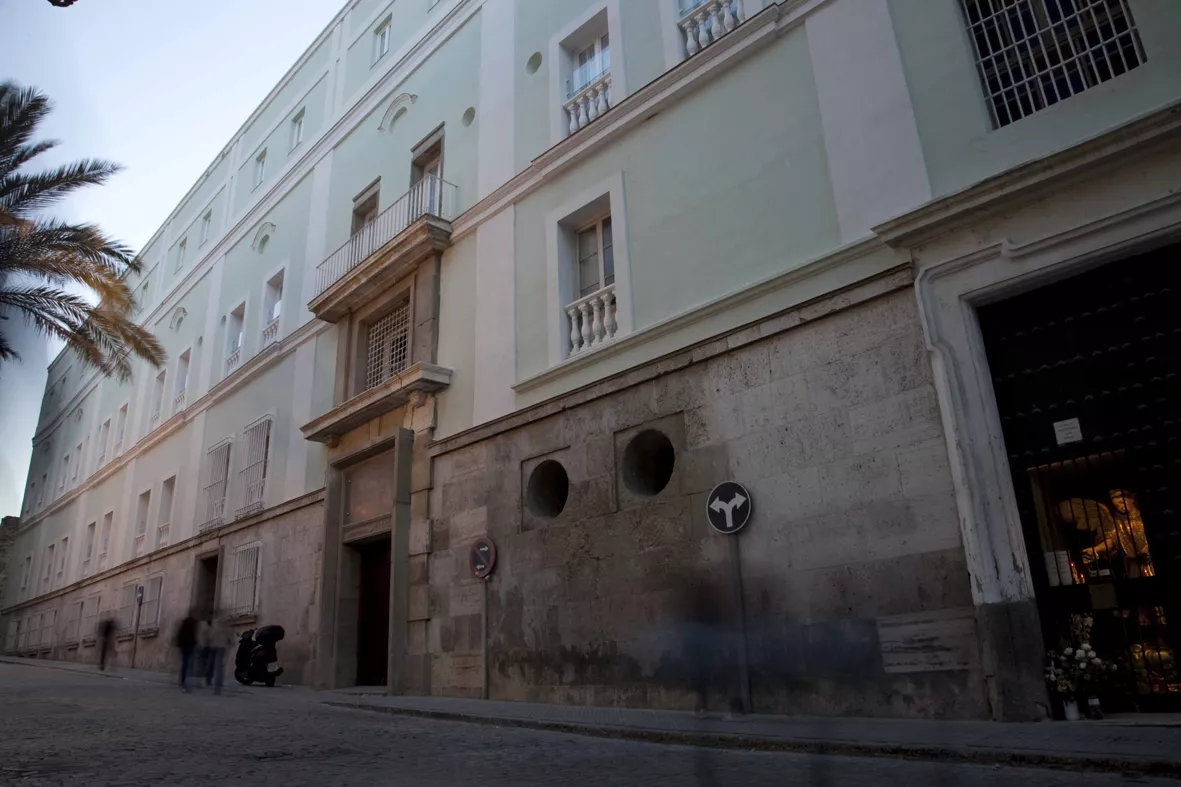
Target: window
pixel 104 542
pixel 234 322
pixel 243 584
pixel 31 497
pixel 157 398
pixel 61 485
pixel 213 493
pixel 272 307
pixel 149 614
pixel 63 552
pixel 387 346
pixel 182 381
pixel 126 615
pixel 206 225
pixel 48 563
pixel 365 207
pixel 592 62
pixel 596 257
pixel 164 515
pixel 381 40
pixel 44 488
pixel 73 621
pixel 297 129
pixel 104 439
pixel 260 168
pixel 77 461
pixel 254 474
pixel 89 553
pixel 1031 54
pixel 120 430
pixel 48 622
pixel 141 522
pixel 27 572
pixel 90 607
pixel 181 248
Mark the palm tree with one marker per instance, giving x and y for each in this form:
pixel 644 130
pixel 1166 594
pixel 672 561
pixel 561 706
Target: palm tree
pixel 38 254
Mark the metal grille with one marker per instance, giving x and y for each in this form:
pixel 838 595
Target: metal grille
pixel 1034 53
pixel 243 588
pixel 73 621
pixel 149 616
pixel 216 477
pixel 48 621
pixel 254 474
pixel 90 616
pixel 387 344
pixel 127 608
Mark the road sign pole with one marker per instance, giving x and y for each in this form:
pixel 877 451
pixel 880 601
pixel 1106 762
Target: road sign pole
pixel 139 601
pixel 484 641
pixel 740 604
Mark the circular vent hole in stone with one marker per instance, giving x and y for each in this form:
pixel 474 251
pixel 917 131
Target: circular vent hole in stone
pixel 533 63
pixel 469 116
pixel 548 488
pixel 648 463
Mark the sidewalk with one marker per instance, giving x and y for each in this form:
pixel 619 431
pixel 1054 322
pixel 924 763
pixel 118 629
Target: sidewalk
pixel 1149 747
pixel 114 672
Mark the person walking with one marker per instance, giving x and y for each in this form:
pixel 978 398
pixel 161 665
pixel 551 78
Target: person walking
pixel 220 638
pixel 106 641
pixel 204 656
pixel 186 642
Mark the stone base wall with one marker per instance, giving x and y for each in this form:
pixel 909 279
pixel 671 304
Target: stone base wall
pixel 854 581
pixel 291 536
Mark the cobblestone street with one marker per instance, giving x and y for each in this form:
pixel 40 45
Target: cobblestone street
pixel 66 728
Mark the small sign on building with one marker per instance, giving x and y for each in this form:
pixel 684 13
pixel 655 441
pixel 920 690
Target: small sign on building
pixel 728 507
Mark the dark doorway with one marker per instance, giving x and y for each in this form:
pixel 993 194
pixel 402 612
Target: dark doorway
pixel 205 589
pixel 373 613
pixel 1087 375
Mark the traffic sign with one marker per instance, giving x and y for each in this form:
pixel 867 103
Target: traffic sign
pixel 728 507
pixel 481 558
pixel 139 595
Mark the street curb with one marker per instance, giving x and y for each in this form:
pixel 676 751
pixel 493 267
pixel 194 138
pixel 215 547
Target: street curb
pixel 823 747
pixel 99 673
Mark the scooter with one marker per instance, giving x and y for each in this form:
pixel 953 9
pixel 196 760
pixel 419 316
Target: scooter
pixel 257 660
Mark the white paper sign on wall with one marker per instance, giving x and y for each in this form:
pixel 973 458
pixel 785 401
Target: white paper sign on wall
pixel 1068 431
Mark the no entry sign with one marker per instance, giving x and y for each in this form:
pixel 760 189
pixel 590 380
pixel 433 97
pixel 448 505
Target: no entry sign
pixel 481 558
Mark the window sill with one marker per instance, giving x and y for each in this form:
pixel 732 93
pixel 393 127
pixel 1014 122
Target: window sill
pixel 89 642
pixel 149 633
pixel 243 618
pixel 125 636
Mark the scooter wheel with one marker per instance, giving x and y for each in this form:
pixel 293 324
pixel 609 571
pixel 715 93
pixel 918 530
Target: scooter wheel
pixel 269 681
pixel 240 676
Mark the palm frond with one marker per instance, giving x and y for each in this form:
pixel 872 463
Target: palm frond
pixel 25 195
pixel 21 110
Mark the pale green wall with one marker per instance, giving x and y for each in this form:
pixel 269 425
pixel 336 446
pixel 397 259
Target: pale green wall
pixel 457 294
pixel 446 85
pixel 307 75
pixel 700 223
pixel 406 19
pixel 194 206
pixel 245 270
pixel 959 144
pixel 537 23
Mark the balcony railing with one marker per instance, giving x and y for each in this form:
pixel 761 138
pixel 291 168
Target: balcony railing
pixel 162 535
pixel 271 332
pixel 232 360
pixel 430 196
pixel 703 22
pixel 592 320
pixel 154 420
pixel 139 543
pixel 178 403
pixel 588 92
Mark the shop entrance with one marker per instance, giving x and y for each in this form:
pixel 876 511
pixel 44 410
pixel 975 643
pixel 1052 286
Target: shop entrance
pixel 1087 375
pixel 373 613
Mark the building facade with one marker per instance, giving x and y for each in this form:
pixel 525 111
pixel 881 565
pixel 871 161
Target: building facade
pixel 547 273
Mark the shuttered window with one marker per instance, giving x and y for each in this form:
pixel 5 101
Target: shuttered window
pixel 73 621
pixel 149 616
pixel 90 617
pixel 126 608
pixel 48 622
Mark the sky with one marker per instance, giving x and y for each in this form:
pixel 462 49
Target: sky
pixel 158 86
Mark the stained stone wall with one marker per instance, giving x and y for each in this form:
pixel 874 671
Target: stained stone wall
pixel 854 581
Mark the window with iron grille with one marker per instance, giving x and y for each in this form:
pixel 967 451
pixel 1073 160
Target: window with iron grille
pixel 30 632
pixel 243 585
pixel 10 636
pixel 1031 54
pixel 213 493
pixel 387 346
pixel 90 607
pixel 73 621
pixel 48 621
pixel 126 608
pixel 149 614
pixel 254 475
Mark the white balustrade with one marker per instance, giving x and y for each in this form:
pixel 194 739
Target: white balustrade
pixel 587 103
pixel 154 420
pixel 139 544
pixel 232 360
pixel 162 535
pixel 271 332
pixel 178 403
pixel 705 21
pixel 592 320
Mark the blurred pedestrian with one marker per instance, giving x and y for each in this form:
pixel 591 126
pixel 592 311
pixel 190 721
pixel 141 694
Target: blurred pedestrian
pixel 203 655
pixel 106 641
pixel 220 638
pixel 186 642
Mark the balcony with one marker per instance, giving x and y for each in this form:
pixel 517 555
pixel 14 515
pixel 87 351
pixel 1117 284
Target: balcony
pixel 178 403
pixel 388 394
pixel 271 332
pixel 703 22
pixel 154 420
pixel 416 226
pixel 162 535
pixel 233 360
pixel 588 92
pixel 592 320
